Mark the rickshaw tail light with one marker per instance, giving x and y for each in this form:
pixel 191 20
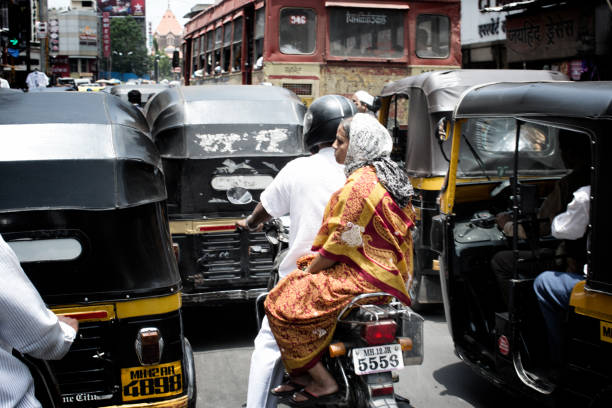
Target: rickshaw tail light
pixel 375 333
pixel 149 346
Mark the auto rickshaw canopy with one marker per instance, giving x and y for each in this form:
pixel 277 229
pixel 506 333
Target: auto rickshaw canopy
pixel 73 150
pixel 201 122
pixel 434 95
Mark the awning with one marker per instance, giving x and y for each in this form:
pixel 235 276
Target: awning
pixel 239 13
pixel 259 5
pixel 380 5
pixel 227 19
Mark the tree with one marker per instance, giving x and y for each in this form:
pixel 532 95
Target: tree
pixel 128 47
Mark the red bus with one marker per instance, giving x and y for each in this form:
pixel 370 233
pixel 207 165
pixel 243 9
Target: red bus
pixel 318 47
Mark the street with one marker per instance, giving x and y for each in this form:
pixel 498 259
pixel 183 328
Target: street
pixel 222 338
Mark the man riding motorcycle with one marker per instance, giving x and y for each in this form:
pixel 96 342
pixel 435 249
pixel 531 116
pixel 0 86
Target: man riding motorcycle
pixel 302 189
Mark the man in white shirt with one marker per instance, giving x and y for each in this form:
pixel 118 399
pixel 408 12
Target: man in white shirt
pixel 27 326
pixel 4 83
pixel 301 189
pixel 36 80
pixel 553 289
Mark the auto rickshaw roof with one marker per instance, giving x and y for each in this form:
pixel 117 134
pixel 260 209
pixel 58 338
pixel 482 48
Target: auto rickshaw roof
pixel 70 150
pixel 182 117
pixel 444 88
pixel 591 100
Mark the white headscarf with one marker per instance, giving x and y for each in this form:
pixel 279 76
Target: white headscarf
pixel 370 145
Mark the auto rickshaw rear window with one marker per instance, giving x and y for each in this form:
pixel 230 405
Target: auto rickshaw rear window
pixel 45 250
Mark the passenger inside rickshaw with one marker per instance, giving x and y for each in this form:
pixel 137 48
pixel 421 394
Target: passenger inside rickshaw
pixel 553 163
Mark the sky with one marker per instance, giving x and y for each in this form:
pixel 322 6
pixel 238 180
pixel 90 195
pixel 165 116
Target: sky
pixel 155 9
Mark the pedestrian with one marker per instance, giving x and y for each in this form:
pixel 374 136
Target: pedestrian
pixel 301 189
pixel 36 80
pixel 27 326
pixel 365 102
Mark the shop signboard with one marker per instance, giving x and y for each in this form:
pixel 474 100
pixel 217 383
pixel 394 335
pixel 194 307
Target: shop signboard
pixel 550 34
pixel 106 49
pixel 135 8
pixel 53 37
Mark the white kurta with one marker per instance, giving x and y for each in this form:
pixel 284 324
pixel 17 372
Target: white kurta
pixel 27 326
pixel 301 189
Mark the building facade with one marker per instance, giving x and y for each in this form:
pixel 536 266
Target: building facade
pixel 169 34
pixel 77 53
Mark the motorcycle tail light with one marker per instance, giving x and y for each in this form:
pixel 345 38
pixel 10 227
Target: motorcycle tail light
pixel 149 346
pixel 375 333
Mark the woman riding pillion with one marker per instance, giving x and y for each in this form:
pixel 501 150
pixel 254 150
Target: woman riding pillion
pixel 364 245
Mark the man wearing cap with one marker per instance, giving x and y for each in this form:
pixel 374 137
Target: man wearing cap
pixel 365 102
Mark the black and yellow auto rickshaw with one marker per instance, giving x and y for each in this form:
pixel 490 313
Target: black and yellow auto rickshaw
pixel 521 132
pixel 83 205
pixel 415 110
pixel 213 138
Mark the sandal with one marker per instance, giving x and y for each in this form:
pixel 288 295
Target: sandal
pixel 314 399
pixel 296 388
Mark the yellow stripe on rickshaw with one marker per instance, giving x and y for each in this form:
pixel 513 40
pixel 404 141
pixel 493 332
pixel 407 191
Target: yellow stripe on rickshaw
pixel 591 304
pixel 146 307
pixel 122 310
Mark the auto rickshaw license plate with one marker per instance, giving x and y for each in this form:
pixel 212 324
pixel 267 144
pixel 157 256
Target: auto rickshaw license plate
pixel 151 382
pixel 378 359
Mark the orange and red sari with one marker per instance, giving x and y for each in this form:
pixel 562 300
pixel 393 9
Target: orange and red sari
pixel 370 239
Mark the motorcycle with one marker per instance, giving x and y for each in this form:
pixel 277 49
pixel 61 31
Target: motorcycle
pixel 372 342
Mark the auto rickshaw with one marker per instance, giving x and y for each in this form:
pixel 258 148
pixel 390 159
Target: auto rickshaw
pixel 415 110
pixel 83 205
pixel 212 138
pixel 519 131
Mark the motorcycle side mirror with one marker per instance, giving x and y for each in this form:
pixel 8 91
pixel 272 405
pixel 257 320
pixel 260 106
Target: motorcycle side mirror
pixel 239 195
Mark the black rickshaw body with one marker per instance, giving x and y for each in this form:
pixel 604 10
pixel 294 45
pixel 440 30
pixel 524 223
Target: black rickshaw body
pixel 416 110
pixel 212 138
pixel 83 205
pixel 507 344
pixel 147 91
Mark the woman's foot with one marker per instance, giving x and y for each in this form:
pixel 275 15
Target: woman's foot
pixel 291 386
pixel 315 391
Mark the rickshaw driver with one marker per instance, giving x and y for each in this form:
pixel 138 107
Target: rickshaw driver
pixel 553 289
pixel 573 152
pixel 29 327
pixel 301 189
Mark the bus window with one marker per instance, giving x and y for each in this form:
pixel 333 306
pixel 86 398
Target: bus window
pixel 194 55
pixel 298 31
pixel 202 64
pixel 210 43
pixel 237 46
pixel 432 36
pixel 374 33
pixel 227 46
pixel 260 18
pixel 218 44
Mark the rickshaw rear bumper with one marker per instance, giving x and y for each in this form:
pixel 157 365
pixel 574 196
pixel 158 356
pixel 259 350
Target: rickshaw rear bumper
pixel 222 295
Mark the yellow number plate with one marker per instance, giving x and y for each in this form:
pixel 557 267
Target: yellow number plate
pixel 151 382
